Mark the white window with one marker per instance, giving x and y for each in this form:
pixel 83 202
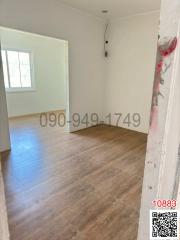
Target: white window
pixel 17 70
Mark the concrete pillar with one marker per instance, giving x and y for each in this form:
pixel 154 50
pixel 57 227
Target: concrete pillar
pixel 4 231
pixel 164 134
pixel 4 125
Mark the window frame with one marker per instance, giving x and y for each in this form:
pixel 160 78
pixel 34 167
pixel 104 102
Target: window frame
pixel 31 58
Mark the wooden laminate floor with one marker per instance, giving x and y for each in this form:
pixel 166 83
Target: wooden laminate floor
pixel 80 186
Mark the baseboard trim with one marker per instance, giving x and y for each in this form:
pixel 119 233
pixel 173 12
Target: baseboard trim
pixel 37 114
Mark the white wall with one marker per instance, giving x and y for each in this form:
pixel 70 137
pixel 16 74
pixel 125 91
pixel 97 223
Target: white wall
pixel 85 36
pixel 132 49
pixel 130 69
pixel 49 59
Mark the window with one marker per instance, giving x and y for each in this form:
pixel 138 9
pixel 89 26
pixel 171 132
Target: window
pixel 17 70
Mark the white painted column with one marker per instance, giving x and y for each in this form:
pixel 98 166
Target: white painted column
pixel 4 230
pixel 164 137
pixel 4 145
pixel 4 124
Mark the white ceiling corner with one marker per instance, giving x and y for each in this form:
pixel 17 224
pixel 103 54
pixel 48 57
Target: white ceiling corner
pixel 116 8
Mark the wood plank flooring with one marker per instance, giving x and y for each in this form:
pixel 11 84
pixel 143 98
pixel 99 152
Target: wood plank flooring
pixel 80 186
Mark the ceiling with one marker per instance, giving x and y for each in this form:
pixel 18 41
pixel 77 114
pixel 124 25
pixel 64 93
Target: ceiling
pixel 116 8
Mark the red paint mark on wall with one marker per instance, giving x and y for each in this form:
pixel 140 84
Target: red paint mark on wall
pixel 172 47
pixel 165 48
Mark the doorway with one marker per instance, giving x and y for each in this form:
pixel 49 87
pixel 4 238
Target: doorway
pixel 35 71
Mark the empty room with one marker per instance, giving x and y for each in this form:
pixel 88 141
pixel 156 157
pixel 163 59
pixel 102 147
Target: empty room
pixel 34 68
pixel 76 88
